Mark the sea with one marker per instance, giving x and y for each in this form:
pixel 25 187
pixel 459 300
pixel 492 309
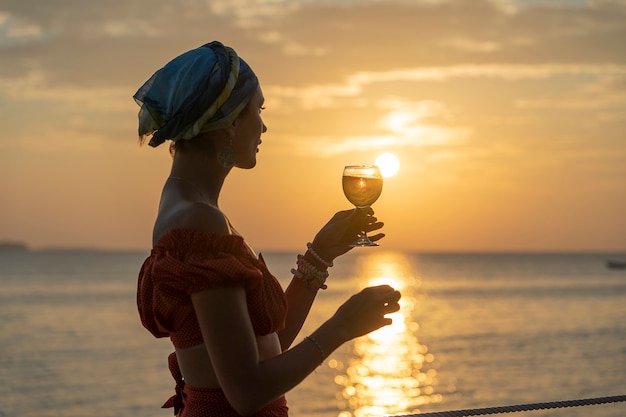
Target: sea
pixel 475 330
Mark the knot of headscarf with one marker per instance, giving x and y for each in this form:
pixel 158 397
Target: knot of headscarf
pixel 201 90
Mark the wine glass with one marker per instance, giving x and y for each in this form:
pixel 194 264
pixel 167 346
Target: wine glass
pixel 362 185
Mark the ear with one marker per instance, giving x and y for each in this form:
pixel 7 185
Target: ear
pixel 230 130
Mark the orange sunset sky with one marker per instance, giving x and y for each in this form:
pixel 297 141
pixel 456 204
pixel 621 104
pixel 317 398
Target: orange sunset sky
pixel 508 117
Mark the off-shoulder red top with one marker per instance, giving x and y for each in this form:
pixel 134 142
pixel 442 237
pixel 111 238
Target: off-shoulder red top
pixel 186 261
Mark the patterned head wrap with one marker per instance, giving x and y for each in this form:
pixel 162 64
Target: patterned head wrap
pixel 201 90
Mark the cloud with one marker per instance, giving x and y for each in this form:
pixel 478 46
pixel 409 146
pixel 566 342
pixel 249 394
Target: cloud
pixel 417 137
pixel 607 91
pixel 290 47
pixel 79 41
pixel 251 13
pixel 322 147
pixel 404 124
pixel 326 95
pixel 469 45
pixel 503 71
pixel 125 28
pixel 316 54
pixel 15 31
pixel 105 43
pixel 34 87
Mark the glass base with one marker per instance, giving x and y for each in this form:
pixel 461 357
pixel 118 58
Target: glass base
pixel 363 240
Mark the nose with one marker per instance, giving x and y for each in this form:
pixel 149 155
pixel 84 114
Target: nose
pixel 264 128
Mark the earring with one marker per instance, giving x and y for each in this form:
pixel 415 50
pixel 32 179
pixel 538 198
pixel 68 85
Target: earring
pixel 226 156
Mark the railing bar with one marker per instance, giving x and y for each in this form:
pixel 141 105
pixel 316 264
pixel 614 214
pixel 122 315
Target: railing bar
pixel 523 407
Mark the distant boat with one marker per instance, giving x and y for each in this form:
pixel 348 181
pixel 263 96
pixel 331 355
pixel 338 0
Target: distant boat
pixel 615 264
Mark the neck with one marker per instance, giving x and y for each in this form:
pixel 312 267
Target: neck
pixel 200 172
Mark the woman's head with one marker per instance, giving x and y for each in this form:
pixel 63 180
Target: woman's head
pixel 234 145
pixel 202 90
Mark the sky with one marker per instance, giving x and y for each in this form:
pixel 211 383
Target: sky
pixel 508 118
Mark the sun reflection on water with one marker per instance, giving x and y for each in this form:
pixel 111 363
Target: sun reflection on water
pixel 390 372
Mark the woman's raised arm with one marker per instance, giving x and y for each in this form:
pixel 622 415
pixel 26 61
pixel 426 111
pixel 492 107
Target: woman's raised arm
pixel 250 383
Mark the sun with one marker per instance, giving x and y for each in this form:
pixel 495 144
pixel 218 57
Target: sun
pixel 388 164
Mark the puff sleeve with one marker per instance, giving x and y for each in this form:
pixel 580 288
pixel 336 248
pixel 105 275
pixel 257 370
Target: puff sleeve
pixel 184 262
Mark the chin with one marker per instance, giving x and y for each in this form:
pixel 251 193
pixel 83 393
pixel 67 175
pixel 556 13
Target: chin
pixel 247 165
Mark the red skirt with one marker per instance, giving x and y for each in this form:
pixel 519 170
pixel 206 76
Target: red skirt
pixel 213 403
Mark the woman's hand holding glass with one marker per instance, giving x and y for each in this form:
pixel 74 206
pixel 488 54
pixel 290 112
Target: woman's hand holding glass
pixel 337 236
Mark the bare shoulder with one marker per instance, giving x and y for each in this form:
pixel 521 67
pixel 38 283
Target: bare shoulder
pixel 191 215
pixel 200 216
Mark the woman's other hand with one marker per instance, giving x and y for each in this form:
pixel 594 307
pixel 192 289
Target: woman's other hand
pixel 342 229
pixel 365 311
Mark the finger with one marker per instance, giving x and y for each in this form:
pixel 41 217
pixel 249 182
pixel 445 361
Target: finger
pixel 374 226
pixel 382 288
pixel 390 298
pixel 396 296
pixel 380 295
pixel 386 321
pixel 376 237
pixel 391 308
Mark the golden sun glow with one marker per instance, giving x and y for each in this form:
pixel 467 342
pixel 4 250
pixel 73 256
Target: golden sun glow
pixel 398 121
pixel 391 372
pixel 388 163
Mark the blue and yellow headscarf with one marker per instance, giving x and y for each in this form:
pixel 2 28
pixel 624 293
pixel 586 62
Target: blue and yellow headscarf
pixel 201 90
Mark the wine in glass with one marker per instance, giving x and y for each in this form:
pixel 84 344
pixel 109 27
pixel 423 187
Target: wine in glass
pixel 362 185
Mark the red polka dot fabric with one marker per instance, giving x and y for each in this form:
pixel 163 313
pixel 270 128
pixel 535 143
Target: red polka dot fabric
pixel 187 261
pixel 212 403
pixel 193 402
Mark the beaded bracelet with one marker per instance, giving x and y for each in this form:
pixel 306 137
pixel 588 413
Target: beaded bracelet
pixel 323 261
pixel 313 277
pixel 312 280
pixel 307 266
